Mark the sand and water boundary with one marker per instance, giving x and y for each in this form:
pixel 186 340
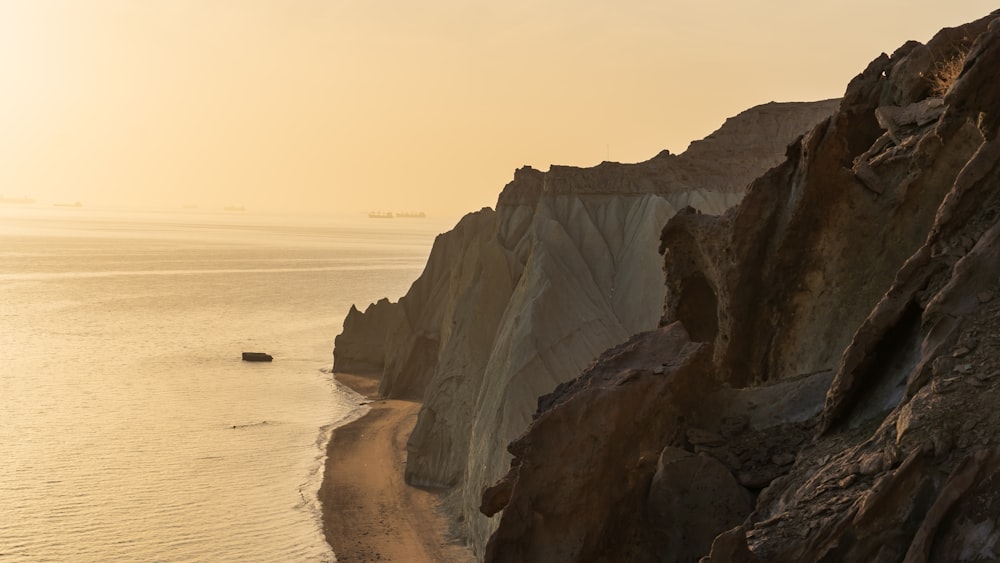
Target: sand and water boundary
pixel 369 512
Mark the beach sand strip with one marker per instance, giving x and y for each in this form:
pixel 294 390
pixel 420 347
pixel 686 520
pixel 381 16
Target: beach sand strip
pixel 369 512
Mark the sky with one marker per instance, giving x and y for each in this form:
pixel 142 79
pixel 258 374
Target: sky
pixel 344 106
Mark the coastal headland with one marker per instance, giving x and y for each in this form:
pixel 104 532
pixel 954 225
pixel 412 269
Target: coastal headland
pixel 669 362
pixel 369 512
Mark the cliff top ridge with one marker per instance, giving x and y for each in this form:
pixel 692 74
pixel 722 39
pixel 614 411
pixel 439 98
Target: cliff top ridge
pixel 725 161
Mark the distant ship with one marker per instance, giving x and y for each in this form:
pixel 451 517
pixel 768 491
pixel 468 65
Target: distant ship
pixel 74 204
pixel 380 215
pixel 16 199
pixel 234 208
pixel 412 215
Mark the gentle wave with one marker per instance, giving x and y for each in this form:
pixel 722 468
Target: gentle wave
pixel 41 276
pixel 121 384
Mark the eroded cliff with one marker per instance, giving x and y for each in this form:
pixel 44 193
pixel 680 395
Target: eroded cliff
pixel 516 301
pixel 822 385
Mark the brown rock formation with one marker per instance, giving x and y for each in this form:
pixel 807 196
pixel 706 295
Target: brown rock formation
pixel 559 512
pixel 690 499
pixel 515 301
pixel 833 342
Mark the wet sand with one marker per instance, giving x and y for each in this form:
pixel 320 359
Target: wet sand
pixel 369 512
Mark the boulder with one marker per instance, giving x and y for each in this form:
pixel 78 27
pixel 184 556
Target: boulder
pixel 692 499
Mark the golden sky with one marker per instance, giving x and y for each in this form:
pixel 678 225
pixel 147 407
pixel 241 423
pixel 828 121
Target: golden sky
pixel 342 106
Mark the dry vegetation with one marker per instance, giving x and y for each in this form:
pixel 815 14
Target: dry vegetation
pixel 945 72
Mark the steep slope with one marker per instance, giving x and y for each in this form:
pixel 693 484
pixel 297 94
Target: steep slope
pixel 829 349
pixel 515 301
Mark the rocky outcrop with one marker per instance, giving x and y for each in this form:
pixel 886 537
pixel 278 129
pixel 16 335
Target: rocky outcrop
pixel 833 343
pixel 361 345
pixel 515 301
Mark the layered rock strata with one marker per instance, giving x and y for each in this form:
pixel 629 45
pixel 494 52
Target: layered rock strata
pixel 514 301
pixel 832 345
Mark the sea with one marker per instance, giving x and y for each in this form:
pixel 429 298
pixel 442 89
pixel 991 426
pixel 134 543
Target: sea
pixel 130 429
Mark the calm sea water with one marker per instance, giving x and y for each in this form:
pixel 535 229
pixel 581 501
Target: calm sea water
pixel 129 428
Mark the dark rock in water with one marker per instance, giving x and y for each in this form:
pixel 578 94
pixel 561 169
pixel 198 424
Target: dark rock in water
pixel 257 357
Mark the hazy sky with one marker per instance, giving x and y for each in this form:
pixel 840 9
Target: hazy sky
pixel 346 106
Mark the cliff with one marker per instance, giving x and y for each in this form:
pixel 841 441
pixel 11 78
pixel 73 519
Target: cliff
pixel 514 301
pixel 822 385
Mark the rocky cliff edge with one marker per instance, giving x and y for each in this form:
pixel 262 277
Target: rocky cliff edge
pixel 514 301
pixel 823 384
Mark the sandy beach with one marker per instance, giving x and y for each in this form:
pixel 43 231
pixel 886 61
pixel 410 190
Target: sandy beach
pixel 369 512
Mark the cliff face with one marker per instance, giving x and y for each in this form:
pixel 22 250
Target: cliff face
pixel 822 386
pixel 513 302
pixel 362 343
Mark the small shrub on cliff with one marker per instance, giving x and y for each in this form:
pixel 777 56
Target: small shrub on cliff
pixel 944 73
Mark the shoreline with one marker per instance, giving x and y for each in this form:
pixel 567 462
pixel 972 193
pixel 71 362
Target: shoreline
pixel 369 513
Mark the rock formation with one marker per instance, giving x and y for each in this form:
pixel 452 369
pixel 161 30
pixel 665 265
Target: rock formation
pixel 515 301
pixel 832 345
pixel 361 345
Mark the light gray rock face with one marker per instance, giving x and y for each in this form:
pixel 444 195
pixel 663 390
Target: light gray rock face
pixel 449 314
pixel 516 301
pixel 586 285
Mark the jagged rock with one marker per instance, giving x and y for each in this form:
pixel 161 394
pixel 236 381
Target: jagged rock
pixel 962 478
pixel 495 498
pixel 730 547
pixel 362 344
pixel 802 288
pixel 899 122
